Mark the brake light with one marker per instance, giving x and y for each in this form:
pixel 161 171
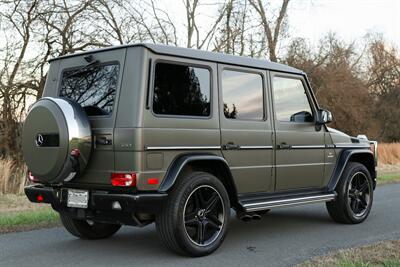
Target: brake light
pixel 123 179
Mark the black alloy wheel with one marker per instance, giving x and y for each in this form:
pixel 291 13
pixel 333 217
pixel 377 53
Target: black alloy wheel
pixel 359 193
pixel 204 214
pixel 354 198
pixel 195 217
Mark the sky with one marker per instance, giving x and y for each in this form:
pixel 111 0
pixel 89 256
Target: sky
pixel 351 20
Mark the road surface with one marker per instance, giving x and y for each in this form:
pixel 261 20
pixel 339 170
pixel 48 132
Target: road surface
pixel 284 237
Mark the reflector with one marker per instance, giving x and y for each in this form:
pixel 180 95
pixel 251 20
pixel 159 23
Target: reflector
pixel 152 180
pixel 40 198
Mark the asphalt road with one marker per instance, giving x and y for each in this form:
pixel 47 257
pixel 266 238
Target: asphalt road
pixel 284 237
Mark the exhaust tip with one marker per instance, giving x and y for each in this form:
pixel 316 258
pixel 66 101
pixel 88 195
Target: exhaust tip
pixel 246 218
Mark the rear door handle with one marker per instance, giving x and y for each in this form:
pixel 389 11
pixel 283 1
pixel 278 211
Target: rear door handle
pixel 284 146
pixel 103 140
pixel 231 146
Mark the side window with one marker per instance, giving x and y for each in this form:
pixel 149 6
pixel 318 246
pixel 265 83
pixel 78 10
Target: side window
pixel 181 90
pixel 242 94
pixel 291 101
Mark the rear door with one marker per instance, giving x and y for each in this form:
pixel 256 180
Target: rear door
pixel 246 128
pixel 300 147
pixel 96 88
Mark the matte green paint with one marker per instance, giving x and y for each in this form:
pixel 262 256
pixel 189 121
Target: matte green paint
pixel 133 126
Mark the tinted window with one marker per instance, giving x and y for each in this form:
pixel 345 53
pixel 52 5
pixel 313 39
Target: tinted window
pixel 291 102
pixel 93 88
pixel 242 94
pixel 181 90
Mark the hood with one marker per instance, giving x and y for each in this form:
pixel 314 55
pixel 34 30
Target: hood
pixel 337 132
pixel 339 137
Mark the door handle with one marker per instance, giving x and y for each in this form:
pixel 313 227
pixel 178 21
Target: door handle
pixel 284 146
pixel 231 146
pixel 103 140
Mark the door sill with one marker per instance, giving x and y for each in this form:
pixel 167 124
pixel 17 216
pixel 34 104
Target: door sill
pixel 258 203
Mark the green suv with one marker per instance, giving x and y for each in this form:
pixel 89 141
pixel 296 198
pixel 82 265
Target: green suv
pixel 136 134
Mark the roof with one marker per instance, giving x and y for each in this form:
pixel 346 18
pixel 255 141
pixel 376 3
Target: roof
pixel 198 54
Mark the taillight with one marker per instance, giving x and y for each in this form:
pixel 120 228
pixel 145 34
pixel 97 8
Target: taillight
pixel 123 179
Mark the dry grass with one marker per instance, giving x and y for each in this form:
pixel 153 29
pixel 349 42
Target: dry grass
pixel 385 253
pixel 389 153
pixel 12 176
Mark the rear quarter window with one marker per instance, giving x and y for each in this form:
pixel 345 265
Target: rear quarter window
pixel 94 88
pixel 181 90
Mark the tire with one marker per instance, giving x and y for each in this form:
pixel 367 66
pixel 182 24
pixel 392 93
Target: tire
pixel 86 230
pixel 57 140
pixel 354 195
pixel 198 203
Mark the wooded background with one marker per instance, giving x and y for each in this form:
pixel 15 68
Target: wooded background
pixel 359 82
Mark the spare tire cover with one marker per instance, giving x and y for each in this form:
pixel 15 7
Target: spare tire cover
pixel 56 140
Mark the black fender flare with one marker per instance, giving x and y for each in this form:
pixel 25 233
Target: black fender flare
pixel 343 160
pixel 181 161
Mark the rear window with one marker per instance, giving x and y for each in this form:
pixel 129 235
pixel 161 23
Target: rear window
pixel 181 90
pixel 93 88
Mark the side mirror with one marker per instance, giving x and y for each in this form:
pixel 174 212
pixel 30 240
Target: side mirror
pixel 324 116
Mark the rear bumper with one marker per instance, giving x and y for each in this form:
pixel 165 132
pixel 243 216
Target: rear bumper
pixel 100 206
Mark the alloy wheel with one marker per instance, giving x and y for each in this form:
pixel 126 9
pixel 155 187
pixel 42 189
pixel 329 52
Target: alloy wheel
pixel 204 214
pixel 359 192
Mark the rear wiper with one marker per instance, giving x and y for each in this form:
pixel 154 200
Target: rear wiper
pixel 83 68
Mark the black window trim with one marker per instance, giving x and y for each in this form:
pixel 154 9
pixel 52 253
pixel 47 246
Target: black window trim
pixel 184 63
pixel 264 93
pixel 113 62
pixel 306 89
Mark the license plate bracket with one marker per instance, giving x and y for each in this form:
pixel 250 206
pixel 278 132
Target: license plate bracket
pixel 78 198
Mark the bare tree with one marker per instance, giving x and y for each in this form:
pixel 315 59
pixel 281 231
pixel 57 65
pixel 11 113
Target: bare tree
pixel 272 29
pixel 384 83
pixel 194 38
pixel 19 16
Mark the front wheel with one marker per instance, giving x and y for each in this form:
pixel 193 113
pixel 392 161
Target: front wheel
pixel 195 218
pixel 88 229
pixel 354 195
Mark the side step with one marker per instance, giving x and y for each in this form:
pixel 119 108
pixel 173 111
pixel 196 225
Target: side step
pixel 269 203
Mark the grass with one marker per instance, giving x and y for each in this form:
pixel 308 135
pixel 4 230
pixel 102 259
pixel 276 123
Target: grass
pixel 28 220
pixel 386 254
pixel 389 153
pixel 12 176
pixel 18 214
pixel 388 178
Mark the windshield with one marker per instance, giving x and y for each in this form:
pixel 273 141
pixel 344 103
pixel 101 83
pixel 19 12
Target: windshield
pixel 93 88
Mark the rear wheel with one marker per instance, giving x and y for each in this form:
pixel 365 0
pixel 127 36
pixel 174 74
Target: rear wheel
pixel 195 218
pixel 354 195
pixel 88 229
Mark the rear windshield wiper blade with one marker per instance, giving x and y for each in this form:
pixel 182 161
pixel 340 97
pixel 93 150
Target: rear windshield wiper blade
pixel 83 68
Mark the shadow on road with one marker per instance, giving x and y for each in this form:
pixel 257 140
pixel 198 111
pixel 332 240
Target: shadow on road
pixel 145 241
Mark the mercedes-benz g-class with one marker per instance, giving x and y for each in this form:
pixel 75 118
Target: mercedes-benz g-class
pixel 136 134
